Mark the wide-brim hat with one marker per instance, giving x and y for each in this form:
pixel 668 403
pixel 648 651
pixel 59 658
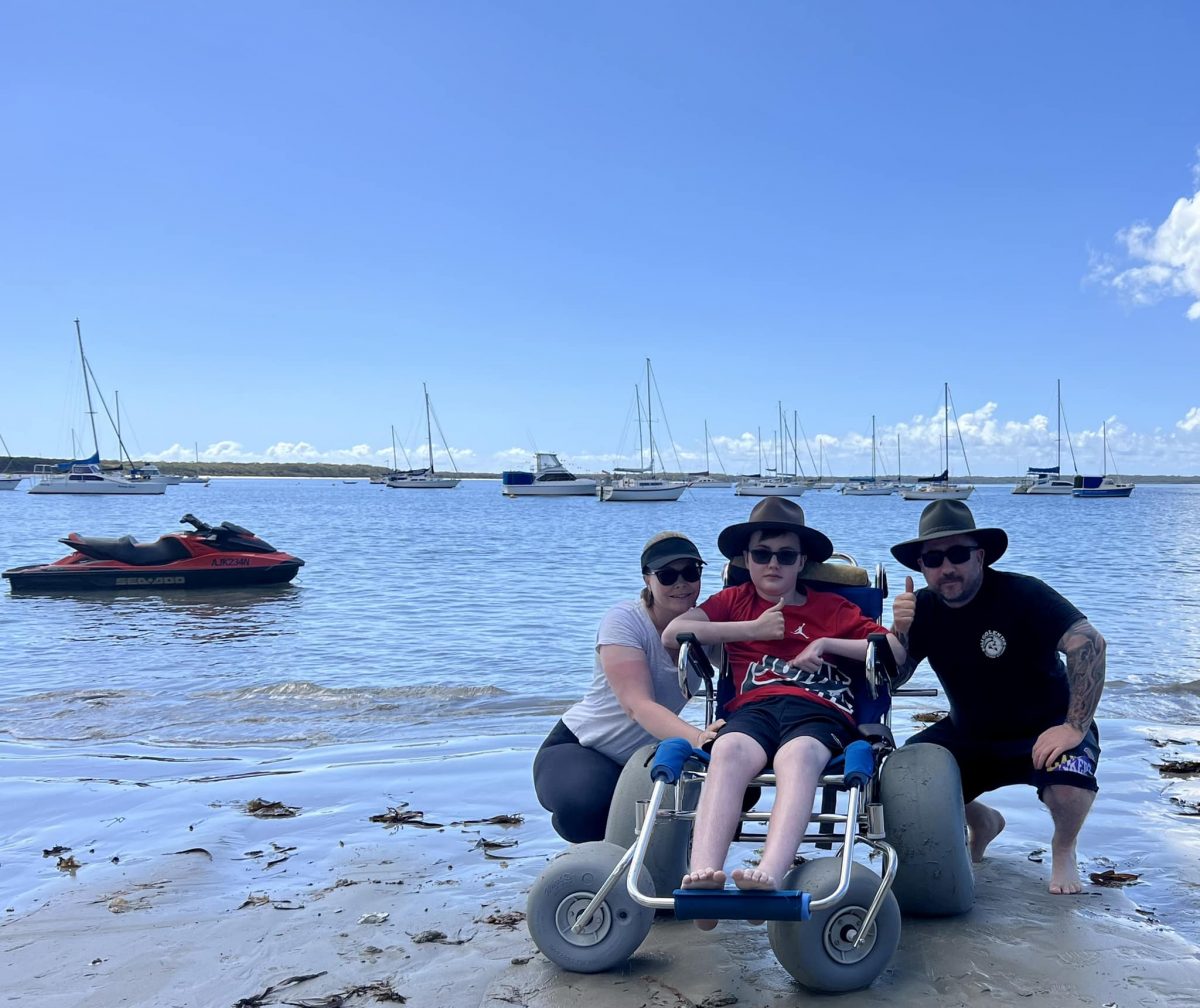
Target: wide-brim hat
pixel 944 518
pixel 775 514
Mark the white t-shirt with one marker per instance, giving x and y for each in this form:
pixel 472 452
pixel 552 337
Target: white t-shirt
pixel 598 720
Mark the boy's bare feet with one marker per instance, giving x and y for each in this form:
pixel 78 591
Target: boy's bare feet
pixel 753 878
pixel 705 878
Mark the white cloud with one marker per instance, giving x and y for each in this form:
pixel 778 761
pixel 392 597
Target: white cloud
pixel 1191 422
pixel 1168 256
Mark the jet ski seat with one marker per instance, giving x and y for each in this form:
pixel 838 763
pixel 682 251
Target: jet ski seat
pixel 128 550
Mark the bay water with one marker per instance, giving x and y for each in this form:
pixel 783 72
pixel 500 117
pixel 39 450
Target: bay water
pixel 432 638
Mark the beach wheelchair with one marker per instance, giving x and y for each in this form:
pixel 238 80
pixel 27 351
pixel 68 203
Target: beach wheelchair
pixel 836 924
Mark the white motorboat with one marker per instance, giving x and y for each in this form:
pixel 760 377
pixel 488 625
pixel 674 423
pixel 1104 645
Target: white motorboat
pixel 550 478
pixel 426 478
pixel 940 487
pixel 149 471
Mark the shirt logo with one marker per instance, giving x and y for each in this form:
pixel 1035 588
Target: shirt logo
pixel 799 631
pixel 992 643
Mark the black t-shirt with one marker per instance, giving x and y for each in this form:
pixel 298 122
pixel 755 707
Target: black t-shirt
pixel 997 656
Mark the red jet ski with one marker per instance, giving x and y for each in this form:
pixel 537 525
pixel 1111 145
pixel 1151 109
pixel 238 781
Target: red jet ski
pixel 222 556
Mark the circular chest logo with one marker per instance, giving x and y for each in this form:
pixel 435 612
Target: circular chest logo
pixel 992 644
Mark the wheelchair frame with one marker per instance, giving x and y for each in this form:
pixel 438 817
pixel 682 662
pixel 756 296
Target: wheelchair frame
pixel 855 913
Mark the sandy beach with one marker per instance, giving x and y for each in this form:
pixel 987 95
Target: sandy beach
pixel 183 898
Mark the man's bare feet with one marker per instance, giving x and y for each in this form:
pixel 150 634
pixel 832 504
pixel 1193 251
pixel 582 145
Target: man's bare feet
pixel 1064 875
pixel 983 826
pixel 705 878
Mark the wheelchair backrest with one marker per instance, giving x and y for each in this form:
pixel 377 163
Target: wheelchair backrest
pixel 853 584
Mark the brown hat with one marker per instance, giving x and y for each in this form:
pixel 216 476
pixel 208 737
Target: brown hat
pixel 775 514
pixel 944 518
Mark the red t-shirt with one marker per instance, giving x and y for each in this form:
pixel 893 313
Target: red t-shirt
pixel 759 668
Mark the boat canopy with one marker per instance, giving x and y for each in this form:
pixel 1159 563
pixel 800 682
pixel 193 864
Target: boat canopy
pixel 1043 471
pixel 68 466
pixel 943 478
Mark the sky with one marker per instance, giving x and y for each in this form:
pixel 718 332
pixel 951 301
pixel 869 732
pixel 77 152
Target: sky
pixel 276 222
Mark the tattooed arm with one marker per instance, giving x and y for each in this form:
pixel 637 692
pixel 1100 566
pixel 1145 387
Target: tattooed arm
pixel 1085 649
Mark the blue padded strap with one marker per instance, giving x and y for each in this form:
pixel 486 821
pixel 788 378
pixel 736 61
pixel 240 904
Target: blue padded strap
pixel 670 757
pixel 742 904
pixel 860 763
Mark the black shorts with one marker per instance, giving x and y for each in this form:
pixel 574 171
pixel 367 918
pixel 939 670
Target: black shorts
pixel 774 721
pixel 986 765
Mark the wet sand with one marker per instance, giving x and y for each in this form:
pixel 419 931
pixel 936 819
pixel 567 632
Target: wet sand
pixel 206 905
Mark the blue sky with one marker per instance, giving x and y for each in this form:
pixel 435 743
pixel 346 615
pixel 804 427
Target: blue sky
pixel 276 220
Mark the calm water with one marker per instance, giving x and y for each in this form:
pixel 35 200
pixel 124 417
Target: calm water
pixel 443 624
pixel 419 607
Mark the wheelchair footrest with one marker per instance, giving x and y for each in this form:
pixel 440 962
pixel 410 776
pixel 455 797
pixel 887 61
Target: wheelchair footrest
pixel 742 904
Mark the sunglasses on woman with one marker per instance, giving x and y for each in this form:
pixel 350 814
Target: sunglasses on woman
pixel 955 554
pixel 667 576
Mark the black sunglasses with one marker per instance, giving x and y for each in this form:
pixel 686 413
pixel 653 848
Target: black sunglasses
pixel 762 555
pixel 955 554
pixel 667 576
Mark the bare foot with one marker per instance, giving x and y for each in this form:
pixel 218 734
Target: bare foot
pixel 753 878
pixel 706 878
pixel 986 826
pixel 1064 876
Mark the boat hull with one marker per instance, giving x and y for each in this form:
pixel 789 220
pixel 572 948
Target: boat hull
pixel 99 575
pixel 929 492
pixel 645 490
pixel 574 488
pixel 768 489
pixel 433 483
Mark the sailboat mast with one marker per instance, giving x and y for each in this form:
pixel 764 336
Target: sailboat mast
pixel 87 388
pixel 946 418
pixel 706 468
pixel 394 466
pixel 1058 397
pixel 872 447
pixel 649 416
pixel 428 427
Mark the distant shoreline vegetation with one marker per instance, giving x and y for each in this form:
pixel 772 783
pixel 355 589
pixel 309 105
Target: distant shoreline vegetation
pixel 328 470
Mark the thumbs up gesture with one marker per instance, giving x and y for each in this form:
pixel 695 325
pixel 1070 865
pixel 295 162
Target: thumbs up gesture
pixel 771 624
pixel 904 608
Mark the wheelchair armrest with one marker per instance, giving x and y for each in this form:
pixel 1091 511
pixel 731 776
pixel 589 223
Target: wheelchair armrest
pixel 693 657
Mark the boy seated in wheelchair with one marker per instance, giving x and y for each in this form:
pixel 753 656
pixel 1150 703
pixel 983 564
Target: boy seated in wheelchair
pixel 793 705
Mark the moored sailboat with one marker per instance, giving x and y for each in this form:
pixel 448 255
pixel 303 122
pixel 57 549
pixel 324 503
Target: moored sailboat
pixel 85 476
pixel 930 488
pixel 426 478
pixel 1047 481
pixel 1105 485
pixel 641 484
